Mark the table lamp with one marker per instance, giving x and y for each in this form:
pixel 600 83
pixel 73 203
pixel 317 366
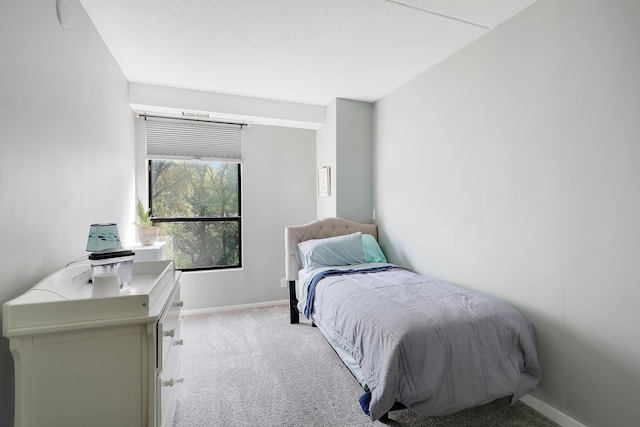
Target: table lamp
pixel 103 238
pixel 107 253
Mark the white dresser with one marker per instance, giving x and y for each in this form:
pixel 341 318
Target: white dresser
pixel 82 361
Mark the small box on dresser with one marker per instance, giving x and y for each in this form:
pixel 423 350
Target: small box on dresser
pixel 155 252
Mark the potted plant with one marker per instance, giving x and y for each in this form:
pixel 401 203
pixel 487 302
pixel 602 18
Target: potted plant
pixel 147 234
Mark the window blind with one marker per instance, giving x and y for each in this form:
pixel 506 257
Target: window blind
pixel 193 139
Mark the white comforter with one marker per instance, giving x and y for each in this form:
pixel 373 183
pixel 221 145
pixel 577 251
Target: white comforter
pixel 433 346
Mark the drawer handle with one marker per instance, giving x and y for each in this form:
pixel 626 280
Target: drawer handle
pixel 171 382
pixel 180 304
pixel 169 333
pixel 179 342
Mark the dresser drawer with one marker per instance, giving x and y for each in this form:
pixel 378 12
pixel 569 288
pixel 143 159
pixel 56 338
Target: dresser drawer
pixel 169 377
pixel 168 385
pixel 169 329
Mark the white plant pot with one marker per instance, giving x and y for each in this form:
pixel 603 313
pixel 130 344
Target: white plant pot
pixel 147 236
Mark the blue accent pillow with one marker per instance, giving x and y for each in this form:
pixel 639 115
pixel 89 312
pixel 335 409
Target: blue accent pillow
pixel 332 251
pixel 372 251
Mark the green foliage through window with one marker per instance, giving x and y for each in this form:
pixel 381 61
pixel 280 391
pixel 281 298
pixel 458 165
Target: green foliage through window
pixel 196 204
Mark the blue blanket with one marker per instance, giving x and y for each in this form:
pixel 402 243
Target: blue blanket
pixel 322 275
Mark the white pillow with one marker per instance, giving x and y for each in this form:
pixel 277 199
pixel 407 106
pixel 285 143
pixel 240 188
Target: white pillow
pixel 332 251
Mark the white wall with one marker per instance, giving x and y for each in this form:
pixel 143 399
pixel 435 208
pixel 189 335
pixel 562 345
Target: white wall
pixel 512 167
pixel 344 143
pixel 354 177
pixel 278 189
pixel 66 149
pixel 326 155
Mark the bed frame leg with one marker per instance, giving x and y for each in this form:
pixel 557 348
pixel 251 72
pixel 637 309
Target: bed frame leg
pixel 293 302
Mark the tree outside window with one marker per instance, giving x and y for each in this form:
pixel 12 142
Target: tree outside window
pixel 196 204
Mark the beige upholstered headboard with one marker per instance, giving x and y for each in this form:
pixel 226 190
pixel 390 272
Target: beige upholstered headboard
pixel 320 229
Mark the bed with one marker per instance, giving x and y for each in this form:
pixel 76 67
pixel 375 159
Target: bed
pixel 410 340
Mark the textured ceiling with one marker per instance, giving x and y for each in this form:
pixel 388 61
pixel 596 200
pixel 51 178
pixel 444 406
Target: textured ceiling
pixel 308 51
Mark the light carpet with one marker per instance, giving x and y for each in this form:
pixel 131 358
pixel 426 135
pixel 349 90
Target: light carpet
pixel 250 367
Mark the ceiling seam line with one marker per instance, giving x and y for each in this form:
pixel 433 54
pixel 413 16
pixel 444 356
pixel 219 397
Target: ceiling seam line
pixel 442 15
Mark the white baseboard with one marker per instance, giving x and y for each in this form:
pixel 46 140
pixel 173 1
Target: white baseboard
pixel 232 307
pixel 550 412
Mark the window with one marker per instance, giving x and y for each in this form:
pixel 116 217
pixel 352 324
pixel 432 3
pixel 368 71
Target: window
pixel 197 204
pixel 194 190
